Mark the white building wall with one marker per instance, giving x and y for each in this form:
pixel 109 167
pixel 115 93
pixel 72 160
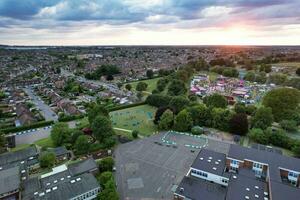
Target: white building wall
pixel 211 177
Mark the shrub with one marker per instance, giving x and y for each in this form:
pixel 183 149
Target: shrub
pixel 288 125
pixel 106 164
pixel 135 133
pixel 197 130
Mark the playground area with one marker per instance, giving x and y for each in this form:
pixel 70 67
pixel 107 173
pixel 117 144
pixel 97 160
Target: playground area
pixel 136 118
pixel 184 139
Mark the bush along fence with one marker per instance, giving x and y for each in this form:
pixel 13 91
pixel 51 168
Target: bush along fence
pixel 28 127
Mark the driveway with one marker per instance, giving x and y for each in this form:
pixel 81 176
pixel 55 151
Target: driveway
pixel 45 109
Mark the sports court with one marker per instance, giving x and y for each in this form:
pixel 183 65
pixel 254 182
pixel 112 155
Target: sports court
pixel 185 139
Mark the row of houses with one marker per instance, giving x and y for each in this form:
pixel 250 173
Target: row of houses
pixel 257 173
pixel 74 181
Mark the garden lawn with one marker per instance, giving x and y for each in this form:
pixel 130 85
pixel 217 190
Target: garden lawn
pixel 46 142
pixel 136 118
pixel 151 84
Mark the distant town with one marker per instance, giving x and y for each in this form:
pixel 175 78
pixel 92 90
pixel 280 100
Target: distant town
pixel 150 122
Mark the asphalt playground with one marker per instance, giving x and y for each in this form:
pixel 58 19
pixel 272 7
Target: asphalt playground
pixel 151 168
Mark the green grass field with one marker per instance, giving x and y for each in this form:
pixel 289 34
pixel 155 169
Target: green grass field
pixel 151 84
pixel 137 118
pixel 46 142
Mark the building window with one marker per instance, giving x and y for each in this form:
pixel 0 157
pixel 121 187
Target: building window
pixel 257 165
pixel 234 162
pixel 292 174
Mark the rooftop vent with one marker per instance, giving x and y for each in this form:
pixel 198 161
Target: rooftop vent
pixel 216 163
pixel 55 181
pixel 219 160
pixel 0 168
pixel 72 181
pixel 247 197
pixel 36 193
pixel 208 160
pixel 266 193
pixel 248 189
pixel 201 158
pixel 62 178
pixel 68 176
pixel 54 188
pixel 181 190
pixel 48 190
pixel 234 177
pixel 256 187
pixel 214 168
pixel 78 179
pixel 48 184
pixel 23 171
pixel 42 194
pixel 256 196
pixel 22 162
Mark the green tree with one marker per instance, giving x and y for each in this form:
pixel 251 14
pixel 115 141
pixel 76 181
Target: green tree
pixel 135 133
pixel 296 147
pixel 61 134
pixel 178 103
pixel 128 87
pixel 102 130
pixel 220 118
pixel 158 100
pixel 75 134
pixel 277 78
pixel 298 71
pixel 215 100
pixel 47 159
pixel 106 164
pixel 250 109
pixel 109 192
pixel 263 118
pixel 2 140
pixel 258 136
pixel 82 145
pixel 238 124
pixel 183 121
pixel 289 125
pixel 240 108
pixel 96 110
pixel 176 88
pixel 105 177
pixel 197 130
pixel 199 114
pixel 284 102
pixel 166 120
pixel 141 86
pixel 161 84
pixel 149 73
pixel 250 76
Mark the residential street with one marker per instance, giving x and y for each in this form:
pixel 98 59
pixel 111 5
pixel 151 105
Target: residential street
pixel 45 109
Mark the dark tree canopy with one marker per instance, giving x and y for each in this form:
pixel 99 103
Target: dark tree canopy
pixel 238 124
pixel 176 88
pixel 215 100
pixel 141 86
pixel 178 103
pixel 149 73
pixel 284 102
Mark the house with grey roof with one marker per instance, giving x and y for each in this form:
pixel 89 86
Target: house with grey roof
pixel 9 183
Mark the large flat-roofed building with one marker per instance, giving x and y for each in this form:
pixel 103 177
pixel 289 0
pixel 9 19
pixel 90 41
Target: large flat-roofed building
pixel 74 182
pixel 9 183
pixel 244 173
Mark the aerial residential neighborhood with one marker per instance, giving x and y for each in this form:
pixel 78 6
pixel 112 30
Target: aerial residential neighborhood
pixel 149 100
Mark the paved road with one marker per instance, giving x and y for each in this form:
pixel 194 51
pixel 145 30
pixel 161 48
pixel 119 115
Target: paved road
pixel 45 109
pixel 31 136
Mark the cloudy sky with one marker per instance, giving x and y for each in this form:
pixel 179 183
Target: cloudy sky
pixel 149 22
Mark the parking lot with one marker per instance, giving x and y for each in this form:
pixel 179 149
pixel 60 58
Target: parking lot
pixel 150 169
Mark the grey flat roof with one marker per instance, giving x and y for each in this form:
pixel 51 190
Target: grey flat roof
pixel 64 190
pixel 241 186
pixel 82 166
pixel 59 151
pixel 210 161
pixel 21 155
pixel 199 189
pixel 282 191
pixel 9 180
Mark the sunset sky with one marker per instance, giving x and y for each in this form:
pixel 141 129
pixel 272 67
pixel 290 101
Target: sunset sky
pixel 150 22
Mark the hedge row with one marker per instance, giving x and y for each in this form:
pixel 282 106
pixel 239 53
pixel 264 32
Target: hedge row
pixel 68 118
pixel 126 106
pixel 28 127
